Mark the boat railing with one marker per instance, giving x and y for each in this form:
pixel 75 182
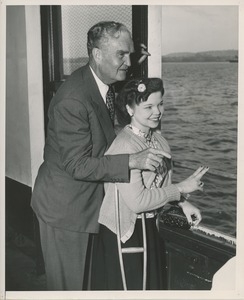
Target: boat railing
pixel 194 255
pixel 204 228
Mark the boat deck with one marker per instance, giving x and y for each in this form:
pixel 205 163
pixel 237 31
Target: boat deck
pixel 21 272
pixel 192 259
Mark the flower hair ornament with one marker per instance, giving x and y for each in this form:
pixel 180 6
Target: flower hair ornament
pixel 141 87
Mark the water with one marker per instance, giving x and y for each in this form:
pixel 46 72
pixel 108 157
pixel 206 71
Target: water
pixel 200 124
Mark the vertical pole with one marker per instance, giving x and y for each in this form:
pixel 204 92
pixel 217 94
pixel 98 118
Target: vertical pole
pixel 155 40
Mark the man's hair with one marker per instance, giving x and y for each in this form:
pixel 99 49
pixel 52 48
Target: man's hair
pixel 100 33
pixel 133 93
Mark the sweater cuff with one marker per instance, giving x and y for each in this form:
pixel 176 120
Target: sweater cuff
pixel 173 193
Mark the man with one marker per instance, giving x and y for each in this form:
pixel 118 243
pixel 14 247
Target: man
pixel 69 187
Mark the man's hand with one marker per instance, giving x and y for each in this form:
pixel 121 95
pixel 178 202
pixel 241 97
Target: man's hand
pixel 144 53
pixel 148 159
pixel 137 58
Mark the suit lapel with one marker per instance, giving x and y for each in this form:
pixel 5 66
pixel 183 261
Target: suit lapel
pixel 99 106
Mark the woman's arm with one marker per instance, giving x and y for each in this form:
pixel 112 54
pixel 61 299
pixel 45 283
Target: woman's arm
pixel 140 199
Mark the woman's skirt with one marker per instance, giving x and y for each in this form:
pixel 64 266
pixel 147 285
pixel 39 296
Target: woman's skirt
pixel 106 272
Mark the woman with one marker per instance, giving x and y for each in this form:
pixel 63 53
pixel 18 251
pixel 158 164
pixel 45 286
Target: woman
pixel 140 109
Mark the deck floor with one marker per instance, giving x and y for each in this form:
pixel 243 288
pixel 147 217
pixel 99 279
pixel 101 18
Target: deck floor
pixel 20 273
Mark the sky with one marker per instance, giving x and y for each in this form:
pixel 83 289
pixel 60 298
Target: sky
pixel 199 28
pixel 185 28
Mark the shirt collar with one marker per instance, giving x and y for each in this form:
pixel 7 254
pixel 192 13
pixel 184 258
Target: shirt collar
pixel 147 136
pixel 103 88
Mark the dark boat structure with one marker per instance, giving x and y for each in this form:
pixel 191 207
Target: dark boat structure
pixel 192 255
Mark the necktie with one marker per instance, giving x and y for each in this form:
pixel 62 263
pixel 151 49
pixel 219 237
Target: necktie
pixel 110 102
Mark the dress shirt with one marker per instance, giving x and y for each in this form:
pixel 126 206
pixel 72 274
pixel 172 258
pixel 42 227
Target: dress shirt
pixel 103 88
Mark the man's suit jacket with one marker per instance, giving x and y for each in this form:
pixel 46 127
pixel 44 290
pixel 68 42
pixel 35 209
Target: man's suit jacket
pixel 68 191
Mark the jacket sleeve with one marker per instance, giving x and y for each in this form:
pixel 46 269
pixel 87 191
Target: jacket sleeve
pixel 75 140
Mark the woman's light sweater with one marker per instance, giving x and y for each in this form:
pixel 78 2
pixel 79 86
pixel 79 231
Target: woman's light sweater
pixel 136 196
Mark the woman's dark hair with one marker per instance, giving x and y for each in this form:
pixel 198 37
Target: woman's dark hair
pixel 134 92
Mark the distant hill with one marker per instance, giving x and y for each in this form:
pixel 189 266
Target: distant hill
pixel 206 56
